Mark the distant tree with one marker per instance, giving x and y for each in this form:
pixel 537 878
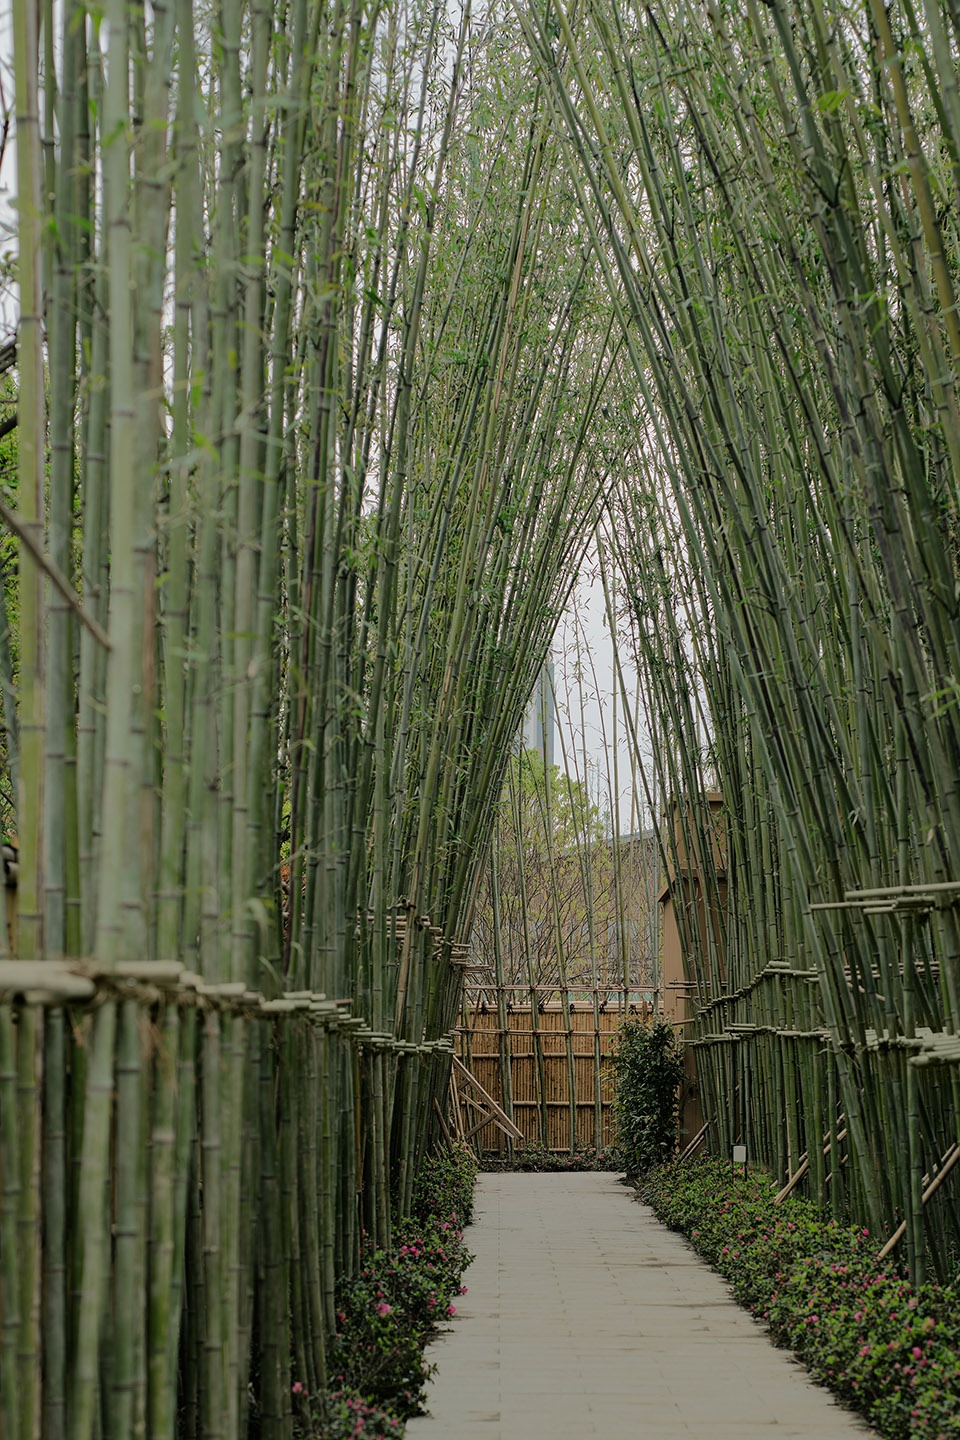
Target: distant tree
pixel 567 903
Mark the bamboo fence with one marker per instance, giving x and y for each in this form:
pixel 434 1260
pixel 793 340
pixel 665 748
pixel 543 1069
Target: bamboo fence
pixel 545 1064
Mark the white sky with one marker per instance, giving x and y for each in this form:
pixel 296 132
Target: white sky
pixel 594 737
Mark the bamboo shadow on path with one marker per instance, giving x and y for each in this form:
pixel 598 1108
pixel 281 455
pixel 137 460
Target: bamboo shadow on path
pixel 585 1316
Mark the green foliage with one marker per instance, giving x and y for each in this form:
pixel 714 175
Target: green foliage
pixel 571 902
pixel 648 1067
pixel 386 1314
pixel 883 1346
pixel 344 1415
pixel 573 817
pixel 377 1352
pixel 443 1190
pixel 534 1157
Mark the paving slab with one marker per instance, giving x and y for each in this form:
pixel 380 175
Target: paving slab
pixel 585 1316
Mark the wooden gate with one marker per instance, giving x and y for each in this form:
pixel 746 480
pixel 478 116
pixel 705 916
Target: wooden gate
pixel 552 1079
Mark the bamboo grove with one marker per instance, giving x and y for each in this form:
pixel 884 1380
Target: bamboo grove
pixel 303 470
pixel 772 191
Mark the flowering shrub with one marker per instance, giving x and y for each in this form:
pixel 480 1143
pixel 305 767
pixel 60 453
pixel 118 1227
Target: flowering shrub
pixel 344 1415
pixel 375 1352
pixel 884 1348
pixel 386 1314
pixel 388 1311
pixel 535 1157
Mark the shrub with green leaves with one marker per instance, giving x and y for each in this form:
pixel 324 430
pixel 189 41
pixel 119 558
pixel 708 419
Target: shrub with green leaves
pixel 648 1068
pixel 536 1157
pixel 885 1348
pixel 344 1415
pixel 387 1312
pixel 444 1186
pixel 376 1353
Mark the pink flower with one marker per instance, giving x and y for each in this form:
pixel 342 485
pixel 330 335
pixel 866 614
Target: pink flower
pixel 451 1309
pixel 384 1309
pixel 298 1388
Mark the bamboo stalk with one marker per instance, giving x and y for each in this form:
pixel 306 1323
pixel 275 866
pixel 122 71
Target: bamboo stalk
pixel 31 457
pixel 92 1221
pixel 10 1301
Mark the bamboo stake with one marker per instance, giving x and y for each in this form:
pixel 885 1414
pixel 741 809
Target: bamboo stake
pixel 947 1163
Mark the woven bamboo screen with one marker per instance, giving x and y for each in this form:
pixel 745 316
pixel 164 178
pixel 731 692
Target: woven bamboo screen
pixel 544 1071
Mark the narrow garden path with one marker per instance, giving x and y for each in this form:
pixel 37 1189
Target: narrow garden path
pixel 585 1316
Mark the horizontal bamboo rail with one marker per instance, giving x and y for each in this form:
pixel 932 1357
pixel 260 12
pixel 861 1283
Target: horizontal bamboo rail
pixel 49 983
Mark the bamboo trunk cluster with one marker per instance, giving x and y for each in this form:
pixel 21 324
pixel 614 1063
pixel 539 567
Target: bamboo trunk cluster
pixel 773 196
pixel 303 475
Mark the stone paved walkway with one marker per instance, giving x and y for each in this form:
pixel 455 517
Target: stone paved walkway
pixel 585 1316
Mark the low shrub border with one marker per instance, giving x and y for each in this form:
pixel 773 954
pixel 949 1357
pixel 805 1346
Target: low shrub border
pixel 389 1310
pixel 884 1348
pixel 534 1157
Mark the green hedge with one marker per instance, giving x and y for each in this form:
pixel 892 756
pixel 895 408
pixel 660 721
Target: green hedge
pixel 885 1349
pixel 535 1157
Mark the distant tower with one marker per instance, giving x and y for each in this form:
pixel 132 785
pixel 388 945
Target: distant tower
pixel 539 722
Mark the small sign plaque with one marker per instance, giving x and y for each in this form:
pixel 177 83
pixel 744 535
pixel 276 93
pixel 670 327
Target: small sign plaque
pixel 739 1154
